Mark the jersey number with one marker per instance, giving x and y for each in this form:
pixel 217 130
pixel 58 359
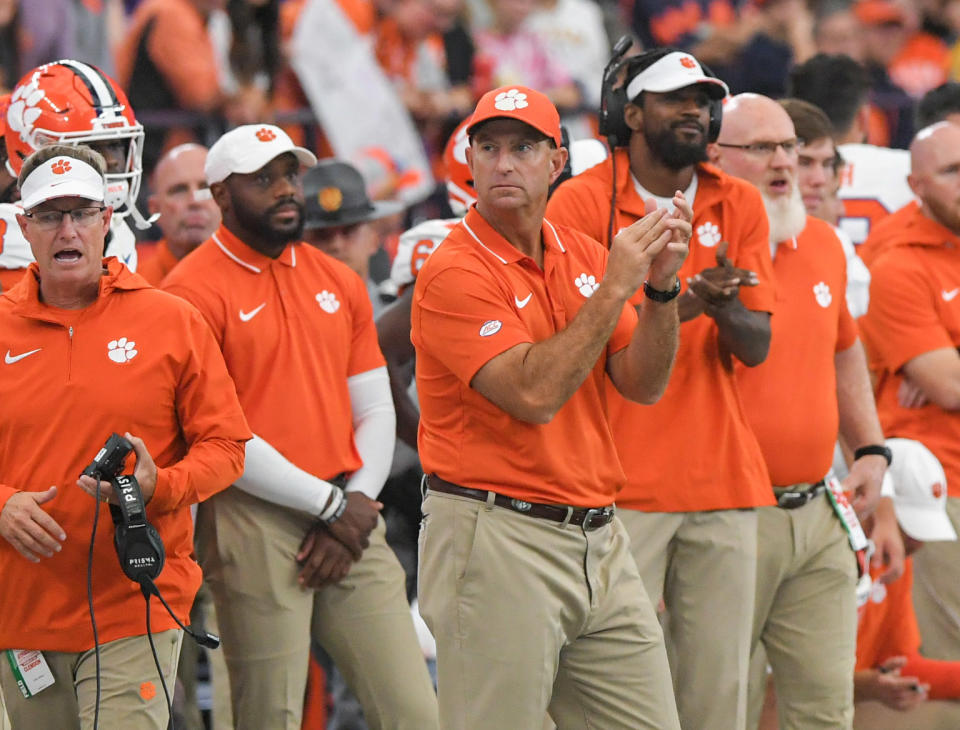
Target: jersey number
pixel 421 251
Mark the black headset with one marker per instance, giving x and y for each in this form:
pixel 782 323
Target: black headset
pixel 137 542
pixel 613 101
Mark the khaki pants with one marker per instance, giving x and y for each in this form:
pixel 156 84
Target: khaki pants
pixel 248 551
pixel 130 696
pixel 936 594
pixel 703 565
pixel 806 616
pixel 531 616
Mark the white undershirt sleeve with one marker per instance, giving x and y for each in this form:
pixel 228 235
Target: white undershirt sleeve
pixel 374 429
pixel 268 474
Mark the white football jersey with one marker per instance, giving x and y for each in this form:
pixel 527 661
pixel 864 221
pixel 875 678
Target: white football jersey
pixel 873 184
pixel 15 251
pixel 415 246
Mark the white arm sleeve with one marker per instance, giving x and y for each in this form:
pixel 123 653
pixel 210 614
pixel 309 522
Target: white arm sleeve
pixel 268 474
pixel 374 429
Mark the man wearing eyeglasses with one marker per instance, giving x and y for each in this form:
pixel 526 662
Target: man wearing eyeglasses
pixel 690 495
pixel 89 348
pixel 805 614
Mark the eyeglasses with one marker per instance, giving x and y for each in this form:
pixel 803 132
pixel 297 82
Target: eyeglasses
pixel 764 149
pixel 48 220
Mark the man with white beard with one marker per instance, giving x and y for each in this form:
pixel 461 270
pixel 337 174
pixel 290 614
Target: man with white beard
pixel 807 567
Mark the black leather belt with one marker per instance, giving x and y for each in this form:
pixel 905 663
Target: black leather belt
pixel 589 519
pixel 798 495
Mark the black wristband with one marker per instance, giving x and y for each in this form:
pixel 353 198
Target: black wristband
pixel 874 450
pixel 661 296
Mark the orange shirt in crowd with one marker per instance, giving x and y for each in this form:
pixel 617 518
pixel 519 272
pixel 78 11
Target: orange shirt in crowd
pixel 476 297
pixel 886 232
pixel 179 46
pixel 812 324
pixel 915 308
pixel 292 330
pixel 888 628
pixel 693 450
pixel 135 360
pixel 922 64
pixel 158 264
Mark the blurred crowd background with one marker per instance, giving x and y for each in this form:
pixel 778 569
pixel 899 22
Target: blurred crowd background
pixel 382 83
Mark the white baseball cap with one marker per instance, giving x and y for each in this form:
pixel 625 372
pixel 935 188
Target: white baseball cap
pixel 62 177
pixel 919 491
pixel 674 71
pixel 248 148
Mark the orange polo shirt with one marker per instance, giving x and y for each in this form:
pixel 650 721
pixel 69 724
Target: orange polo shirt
pixel 812 324
pixel 886 232
pixel 698 452
pixel 915 308
pixel 475 298
pixel 160 263
pixel 292 330
pixel 136 360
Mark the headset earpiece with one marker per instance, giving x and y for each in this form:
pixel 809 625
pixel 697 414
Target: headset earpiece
pixel 716 110
pixel 137 542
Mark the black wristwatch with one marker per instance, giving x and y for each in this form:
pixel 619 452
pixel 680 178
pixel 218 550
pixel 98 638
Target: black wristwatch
pixel 661 296
pixel 874 450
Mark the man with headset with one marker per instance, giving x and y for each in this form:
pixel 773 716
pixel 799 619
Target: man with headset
pixel 693 530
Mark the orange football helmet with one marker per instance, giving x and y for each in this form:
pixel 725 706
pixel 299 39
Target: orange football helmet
pixel 69 102
pixel 460 191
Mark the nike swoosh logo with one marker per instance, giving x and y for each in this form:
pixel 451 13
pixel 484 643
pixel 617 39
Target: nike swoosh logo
pixel 247 316
pixel 17 358
pixel 521 303
pixel 949 295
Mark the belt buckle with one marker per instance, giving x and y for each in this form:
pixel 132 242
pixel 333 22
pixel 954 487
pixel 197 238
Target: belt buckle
pixel 792 500
pixel 595 512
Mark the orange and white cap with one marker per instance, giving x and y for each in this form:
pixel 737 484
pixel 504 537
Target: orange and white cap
pixel 919 491
pixel 248 148
pixel 521 103
pixel 676 70
pixel 62 177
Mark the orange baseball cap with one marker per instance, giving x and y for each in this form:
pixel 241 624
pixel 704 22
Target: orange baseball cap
pixel 518 102
pixel 878 12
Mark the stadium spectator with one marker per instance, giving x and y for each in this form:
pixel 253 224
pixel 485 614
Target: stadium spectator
pixel 873 181
pixel 188 215
pixel 164 384
pixel 306 498
pixel 806 570
pixel 516 331
pixel 167 61
pixel 695 543
pixel 508 53
pixel 836 30
pixel 895 686
pixel 912 336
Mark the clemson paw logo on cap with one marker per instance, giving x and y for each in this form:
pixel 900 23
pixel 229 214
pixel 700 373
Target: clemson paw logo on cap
pixel 60 166
pixel 508 101
pixel 330 199
pixel 266 135
pixel 688 62
pixel 937 490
